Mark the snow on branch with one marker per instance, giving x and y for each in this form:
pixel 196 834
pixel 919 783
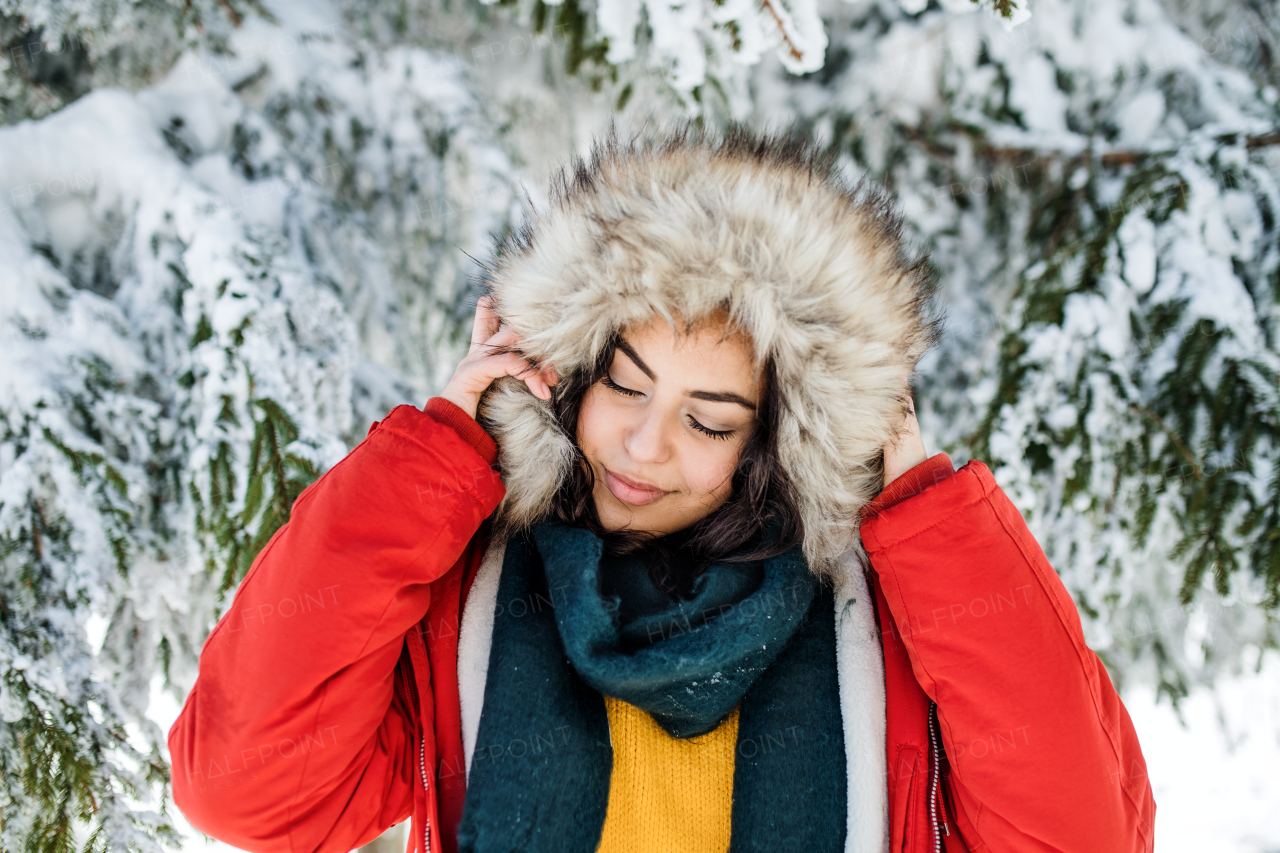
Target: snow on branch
pixel 210 288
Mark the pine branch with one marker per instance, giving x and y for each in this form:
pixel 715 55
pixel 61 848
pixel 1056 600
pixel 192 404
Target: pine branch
pixel 795 52
pixel 1118 157
pixel 1173 436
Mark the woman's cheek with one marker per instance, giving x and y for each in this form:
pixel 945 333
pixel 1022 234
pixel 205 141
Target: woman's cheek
pixel 713 475
pixel 591 417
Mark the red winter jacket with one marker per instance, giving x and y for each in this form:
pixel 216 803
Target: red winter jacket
pixel 326 707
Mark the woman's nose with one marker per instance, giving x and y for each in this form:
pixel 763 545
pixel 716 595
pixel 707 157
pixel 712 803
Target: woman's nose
pixel 646 440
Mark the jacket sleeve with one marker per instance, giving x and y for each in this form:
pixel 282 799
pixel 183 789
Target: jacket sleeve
pixel 1043 755
pixel 293 737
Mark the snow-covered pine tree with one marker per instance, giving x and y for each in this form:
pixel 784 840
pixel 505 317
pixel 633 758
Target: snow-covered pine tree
pixel 208 290
pixel 79 435
pixel 692 57
pixel 55 51
pixel 1099 192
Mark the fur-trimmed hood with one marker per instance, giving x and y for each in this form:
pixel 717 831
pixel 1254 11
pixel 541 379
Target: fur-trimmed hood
pixel 681 224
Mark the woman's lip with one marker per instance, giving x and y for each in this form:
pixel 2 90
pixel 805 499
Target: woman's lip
pixel 627 493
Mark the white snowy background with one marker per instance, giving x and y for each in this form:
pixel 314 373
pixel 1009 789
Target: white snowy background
pixel 234 234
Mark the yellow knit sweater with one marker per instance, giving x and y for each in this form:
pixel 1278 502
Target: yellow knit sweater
pixel 667 794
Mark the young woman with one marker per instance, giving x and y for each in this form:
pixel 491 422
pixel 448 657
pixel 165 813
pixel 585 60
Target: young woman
pixel 713 597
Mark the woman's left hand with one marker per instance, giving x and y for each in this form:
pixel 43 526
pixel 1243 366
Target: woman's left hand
pixel 907 451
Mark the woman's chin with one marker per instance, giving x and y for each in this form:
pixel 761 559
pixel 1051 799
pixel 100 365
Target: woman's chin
pixel 615 515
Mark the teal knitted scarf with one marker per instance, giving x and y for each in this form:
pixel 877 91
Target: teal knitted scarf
pixel 760 637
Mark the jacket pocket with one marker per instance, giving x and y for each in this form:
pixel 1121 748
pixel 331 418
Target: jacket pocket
pixel 909 822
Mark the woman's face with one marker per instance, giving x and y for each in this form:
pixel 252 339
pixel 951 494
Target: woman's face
pixel 663 430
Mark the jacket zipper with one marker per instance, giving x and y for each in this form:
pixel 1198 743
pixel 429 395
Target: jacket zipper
pixel 422 758
pixel 935 768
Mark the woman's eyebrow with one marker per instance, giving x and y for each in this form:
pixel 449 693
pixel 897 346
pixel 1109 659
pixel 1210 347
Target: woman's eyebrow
pixel 712 396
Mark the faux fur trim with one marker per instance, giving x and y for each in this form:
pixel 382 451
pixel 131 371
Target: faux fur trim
pixel 685 224
pixel 859 662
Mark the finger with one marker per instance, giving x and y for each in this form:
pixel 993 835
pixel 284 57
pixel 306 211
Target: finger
pixel 537 375
pixel 502 340
pixel 546 375
pixel 528 368
pixel 507 340
pixel 486 322
pixel 524 369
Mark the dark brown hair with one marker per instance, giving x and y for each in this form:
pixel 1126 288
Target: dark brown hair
pixel 760 519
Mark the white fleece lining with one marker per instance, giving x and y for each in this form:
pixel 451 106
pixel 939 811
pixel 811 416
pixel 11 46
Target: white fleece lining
pixel 859 665
pixel 475 634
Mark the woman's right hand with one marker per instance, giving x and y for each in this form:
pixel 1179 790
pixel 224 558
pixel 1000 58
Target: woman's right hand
pixel 490 356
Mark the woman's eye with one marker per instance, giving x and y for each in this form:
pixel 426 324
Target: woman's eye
pixel 714 433
pixel 609 383
pixel 723 435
